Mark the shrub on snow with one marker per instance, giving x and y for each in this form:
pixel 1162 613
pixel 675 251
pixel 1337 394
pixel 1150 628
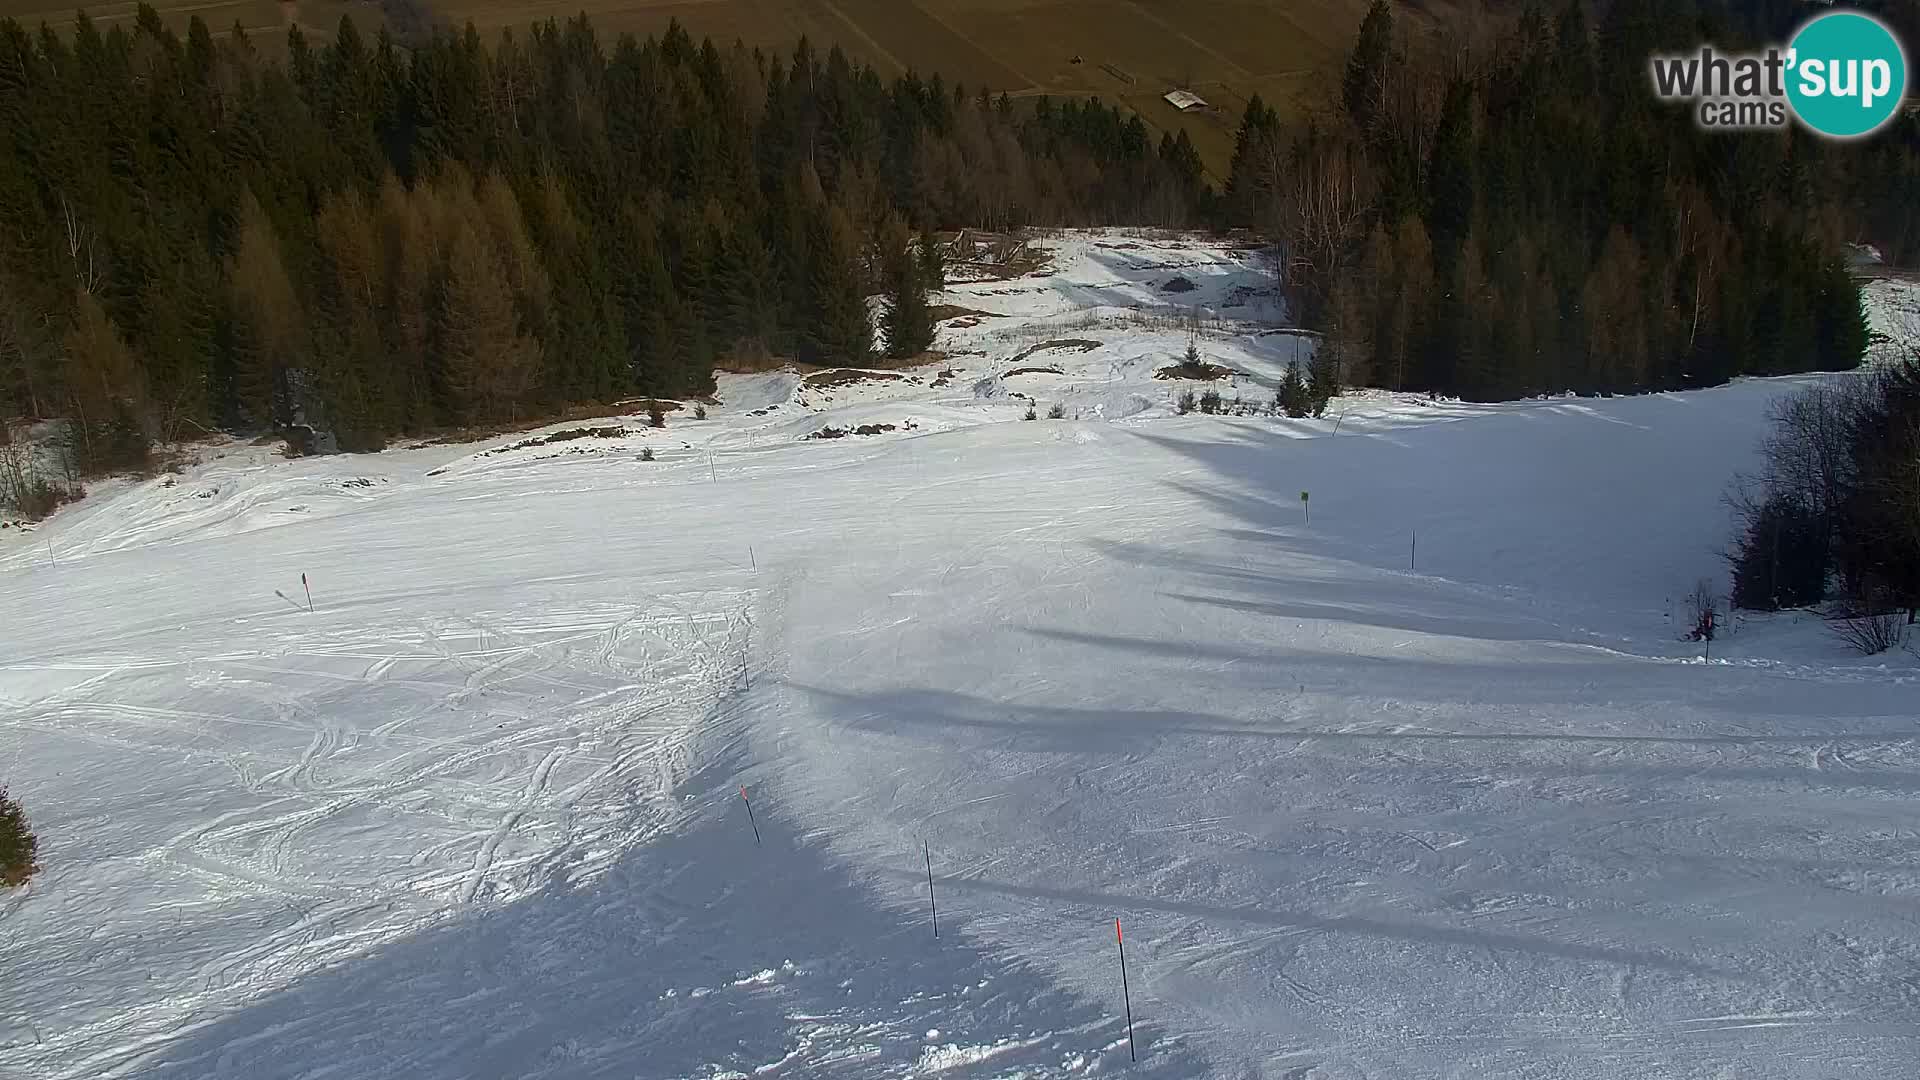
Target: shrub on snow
pixel 1703 612
pixel 1782 560
pixel 1872 633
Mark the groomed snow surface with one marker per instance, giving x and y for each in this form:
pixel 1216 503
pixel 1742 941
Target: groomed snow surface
pixel 479 812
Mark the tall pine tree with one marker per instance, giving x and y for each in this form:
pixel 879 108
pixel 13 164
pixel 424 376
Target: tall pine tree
pixel 908 323
pixel 841 332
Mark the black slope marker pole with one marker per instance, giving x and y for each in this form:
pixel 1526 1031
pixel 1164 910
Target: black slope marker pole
pixel 750 820
pixel 931 905
pixel 1125 991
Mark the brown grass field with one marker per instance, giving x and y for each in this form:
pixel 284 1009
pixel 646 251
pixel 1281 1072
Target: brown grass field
pixel 1129 51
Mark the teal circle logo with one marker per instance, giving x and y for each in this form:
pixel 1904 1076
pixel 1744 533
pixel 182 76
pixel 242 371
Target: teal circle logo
pixel 1847 74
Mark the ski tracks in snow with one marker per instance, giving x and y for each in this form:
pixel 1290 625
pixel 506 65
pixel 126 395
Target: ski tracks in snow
pixel 483 859
pixel 475 758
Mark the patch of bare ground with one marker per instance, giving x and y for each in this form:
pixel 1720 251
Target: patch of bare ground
pixel 1202 372
pixel 568 435
pixel 821 380
pixel 643 406
pixel 943 312
pixel 864 429
pixel 626 407
pixel 1076 344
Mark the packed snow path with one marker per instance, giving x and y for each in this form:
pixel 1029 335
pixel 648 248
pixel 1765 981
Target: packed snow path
pixel 478 814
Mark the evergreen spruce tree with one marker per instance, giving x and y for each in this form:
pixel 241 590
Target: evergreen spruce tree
pixel 644 290
pixel 18 845
pixel 269 328
pixel 586 340
pixel 1360 89
pixel 1250 176
pixel 26 361
pixel 754 296
pixel 1450 182
pixel 908 323
pixel 1296 398
pixel 106 391
pixel 1182 161
pixel 1840 322
pixel 350 388
pixel 841 331
pixel 933 263
pixel 1322 381
pixel 489 364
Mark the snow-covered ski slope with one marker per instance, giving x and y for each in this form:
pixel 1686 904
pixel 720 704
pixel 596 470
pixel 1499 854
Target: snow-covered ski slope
pixel 479 812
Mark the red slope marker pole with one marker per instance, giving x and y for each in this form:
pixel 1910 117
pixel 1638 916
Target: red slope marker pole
pixel 1125 991
pixel 750 820
pixel 927 849
pixel 309 588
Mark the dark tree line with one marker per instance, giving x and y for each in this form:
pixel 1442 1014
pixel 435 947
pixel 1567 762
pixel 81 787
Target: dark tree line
pixel 1522 216
pixel 368 239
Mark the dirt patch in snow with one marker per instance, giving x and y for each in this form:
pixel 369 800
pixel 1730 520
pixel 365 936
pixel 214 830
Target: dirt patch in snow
pixel 820 380
pixel 1241 296
pixel 943 312
pixel 1032 371
pixel 568 435
pixel 641 406
pixel 1076 344
pixel 1202 372
pixel 1179 284
pixel 863 429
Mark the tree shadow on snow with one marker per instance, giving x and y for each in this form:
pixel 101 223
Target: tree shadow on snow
pixel 1607 504
pixel 939 715
pixel 698 954
pixel 1282 919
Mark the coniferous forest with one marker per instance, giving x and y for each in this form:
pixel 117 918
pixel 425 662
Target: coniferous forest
pixel 368 240
pixel 1520 215
pixel 359 239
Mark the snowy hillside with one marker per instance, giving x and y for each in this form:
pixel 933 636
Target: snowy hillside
pixel 479 812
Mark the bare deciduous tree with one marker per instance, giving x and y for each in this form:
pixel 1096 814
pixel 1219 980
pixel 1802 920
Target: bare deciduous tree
pixel 81 245
pixel 1324 199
